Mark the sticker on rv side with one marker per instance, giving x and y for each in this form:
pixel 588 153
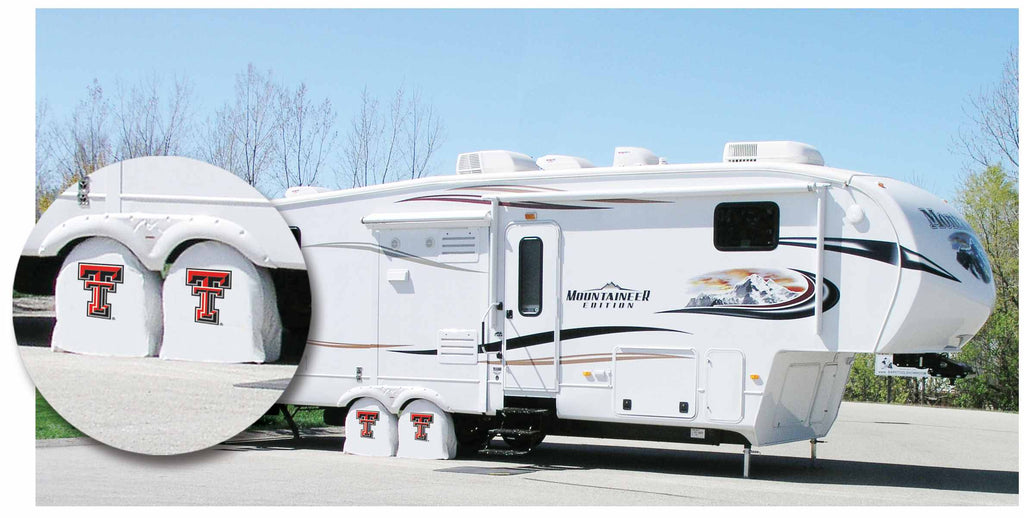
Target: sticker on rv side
pixel 609 296
pixel 208 285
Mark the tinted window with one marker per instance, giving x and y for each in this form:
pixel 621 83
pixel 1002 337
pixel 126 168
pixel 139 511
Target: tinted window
pixel 531 271
pixel 747 226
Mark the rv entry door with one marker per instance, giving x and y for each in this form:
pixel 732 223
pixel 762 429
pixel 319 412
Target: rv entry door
pixel 530 347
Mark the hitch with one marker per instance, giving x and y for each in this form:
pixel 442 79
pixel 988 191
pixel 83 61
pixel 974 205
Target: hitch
pixel 937 365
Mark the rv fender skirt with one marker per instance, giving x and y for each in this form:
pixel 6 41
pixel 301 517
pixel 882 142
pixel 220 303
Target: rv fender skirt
pixel 219 307
pixel 106 302
pixel 370 429
pixel 426 432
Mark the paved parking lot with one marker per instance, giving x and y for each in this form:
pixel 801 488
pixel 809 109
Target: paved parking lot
pixel 875 455
pixel 150 405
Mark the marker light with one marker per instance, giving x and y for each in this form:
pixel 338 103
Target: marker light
pixel 531 215
pixel 587 374
pixel 755 377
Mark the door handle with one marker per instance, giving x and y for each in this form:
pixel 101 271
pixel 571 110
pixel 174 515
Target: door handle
pixel 508 314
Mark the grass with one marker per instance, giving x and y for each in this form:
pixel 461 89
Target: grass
pixel 49 424
pixel 305 419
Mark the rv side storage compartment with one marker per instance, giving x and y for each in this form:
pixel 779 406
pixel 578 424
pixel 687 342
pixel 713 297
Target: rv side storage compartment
pixel 666 387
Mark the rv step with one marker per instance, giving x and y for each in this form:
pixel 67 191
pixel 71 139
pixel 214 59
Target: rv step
pixel 514 431
pixel 525 411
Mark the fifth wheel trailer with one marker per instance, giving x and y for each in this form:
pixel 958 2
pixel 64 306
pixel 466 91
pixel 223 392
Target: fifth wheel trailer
pixel 711 303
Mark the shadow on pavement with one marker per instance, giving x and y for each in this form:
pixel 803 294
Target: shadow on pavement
pixel 766 467
pixel 552 456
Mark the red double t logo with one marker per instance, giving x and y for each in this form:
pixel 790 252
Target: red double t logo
pixel 100 279
pixel 421 422
pixel 208 285
pixel 367 419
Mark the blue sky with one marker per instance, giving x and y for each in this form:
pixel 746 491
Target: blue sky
pixel 875 91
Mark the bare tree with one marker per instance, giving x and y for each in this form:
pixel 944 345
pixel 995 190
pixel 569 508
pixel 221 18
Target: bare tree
pixel 244 132
pixel 82 144
pixel 360 143
pixel 148 126
pixel 424 133
pixel 44 158
pixel 992 136
pixel 396 145
pixel 305 137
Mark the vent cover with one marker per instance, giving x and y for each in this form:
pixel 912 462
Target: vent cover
pixel 469 163
pixel 772 151
pixel 741 152
pixel 494 161
pixel 459 246
pixel 456 346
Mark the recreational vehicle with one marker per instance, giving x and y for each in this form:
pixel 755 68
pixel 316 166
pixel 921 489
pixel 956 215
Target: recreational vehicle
pixel 710 303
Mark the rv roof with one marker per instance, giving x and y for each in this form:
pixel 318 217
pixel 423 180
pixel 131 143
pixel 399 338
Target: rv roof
pixel 829 174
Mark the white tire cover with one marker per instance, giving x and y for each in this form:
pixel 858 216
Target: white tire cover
pixel 219 307
pixel 370 429
pixel 106 302
pixel 425 432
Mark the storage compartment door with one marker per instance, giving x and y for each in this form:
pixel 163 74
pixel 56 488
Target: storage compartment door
pixel 655 382
pixel 724 385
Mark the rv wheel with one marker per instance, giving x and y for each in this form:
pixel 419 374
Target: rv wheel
pixel 523 442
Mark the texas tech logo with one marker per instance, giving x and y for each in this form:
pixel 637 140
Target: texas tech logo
pixel 367 419
pixel 422 422
pixel 100 279
pixel 208 285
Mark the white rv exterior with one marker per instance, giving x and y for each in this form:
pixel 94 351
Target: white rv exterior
pixel 716 302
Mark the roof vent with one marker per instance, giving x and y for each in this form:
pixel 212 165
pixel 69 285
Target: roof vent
pixel 553 162
pixel 772 151
pixel 630 156
pixel 494 161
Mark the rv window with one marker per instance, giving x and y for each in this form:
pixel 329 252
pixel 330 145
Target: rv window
pixel 531 271
pixel 747 226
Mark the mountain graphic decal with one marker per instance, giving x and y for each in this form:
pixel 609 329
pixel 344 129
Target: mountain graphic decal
pixel 771 294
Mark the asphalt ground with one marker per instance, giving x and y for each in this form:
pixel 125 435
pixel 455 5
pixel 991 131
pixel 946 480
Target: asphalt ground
pixel 153 406
pixel 875 455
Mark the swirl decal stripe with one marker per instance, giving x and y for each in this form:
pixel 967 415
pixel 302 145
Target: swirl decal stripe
pixel 549 337
pixel 882 251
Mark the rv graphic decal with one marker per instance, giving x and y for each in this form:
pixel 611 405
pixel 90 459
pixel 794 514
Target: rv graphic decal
pixel 944 220
pixel 367 419
pixel 549 336
pixel 586 358
pixel 609 296
pixel 208 285
pixel 100 279
pixel 757 293
pixel 421 422
pixel 391 252
pixel 882 251
pixel 971 256
pixel 479 200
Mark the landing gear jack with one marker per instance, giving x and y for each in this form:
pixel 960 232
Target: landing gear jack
pixel 814 451
pixel 746 461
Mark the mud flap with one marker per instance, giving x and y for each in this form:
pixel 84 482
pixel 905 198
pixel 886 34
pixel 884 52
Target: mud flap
pixel 370 429
pixel 219 307
pixel 106 302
